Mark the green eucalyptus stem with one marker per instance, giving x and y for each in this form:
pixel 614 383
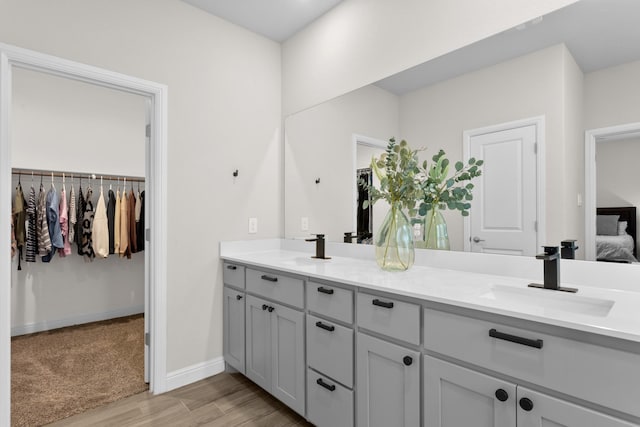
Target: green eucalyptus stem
pixel 433 220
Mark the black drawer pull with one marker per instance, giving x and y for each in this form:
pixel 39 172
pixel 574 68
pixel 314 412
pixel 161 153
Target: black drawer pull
pixel 232 267
pixel 514 338
pixel 325 290
pixel 526 404
pixel 265 306
pixel 238 297
pixel 329 387
pixel 382 303
pixel 271 309
pixel 329 328
pixel 407 360
pixel 269 278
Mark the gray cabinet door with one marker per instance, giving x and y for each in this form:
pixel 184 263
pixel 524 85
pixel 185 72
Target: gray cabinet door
pixel 287 357
pixel 233 310
pixel 543 410
pixel 258 342
pixel 456 396
pixel 387 384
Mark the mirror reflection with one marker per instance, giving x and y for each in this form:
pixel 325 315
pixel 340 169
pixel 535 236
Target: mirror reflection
pixel 521 100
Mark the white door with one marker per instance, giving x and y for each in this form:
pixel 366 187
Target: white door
pixel 147 252
pixel 503 217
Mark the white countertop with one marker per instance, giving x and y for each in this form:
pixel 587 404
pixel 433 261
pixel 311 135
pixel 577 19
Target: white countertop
pixel 608 312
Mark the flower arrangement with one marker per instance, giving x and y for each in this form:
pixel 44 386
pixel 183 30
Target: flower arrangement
pixel 404 183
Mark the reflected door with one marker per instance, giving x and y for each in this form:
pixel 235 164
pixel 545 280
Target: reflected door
pixel 504 212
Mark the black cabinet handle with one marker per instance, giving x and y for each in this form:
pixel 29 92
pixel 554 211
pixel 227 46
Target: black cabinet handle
pixel 329 328
pixel 407 360
pixel 502 395
pixel 526 404
pixel 265 306
pixel 271 309
pixel 269 278
pixel 325 290
pixel 232 267
pixel 238 297
pixel 382 303
pixel 514 338
pixel 329 387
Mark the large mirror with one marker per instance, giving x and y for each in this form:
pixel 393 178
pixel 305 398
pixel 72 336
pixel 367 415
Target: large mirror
pixel 521 100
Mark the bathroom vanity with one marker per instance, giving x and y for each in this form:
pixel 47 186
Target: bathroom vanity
pixel 344 343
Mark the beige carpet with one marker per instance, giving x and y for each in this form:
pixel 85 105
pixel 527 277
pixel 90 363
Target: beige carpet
pixel 66 371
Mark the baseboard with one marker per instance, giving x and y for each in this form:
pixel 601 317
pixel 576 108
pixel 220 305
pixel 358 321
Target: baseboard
pixel 193 373
pixel 75 320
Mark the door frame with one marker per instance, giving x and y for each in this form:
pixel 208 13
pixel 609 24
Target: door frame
pixel 590 180
pixel 367 141
pixel 539 123
pixel 156 186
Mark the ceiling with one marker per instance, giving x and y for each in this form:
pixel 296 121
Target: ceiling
pixel 598 33
pixel 275 19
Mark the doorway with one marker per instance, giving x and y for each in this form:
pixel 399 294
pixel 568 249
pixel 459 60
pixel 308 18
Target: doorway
pixel 613 193
pixel 507 206
pixel 12 57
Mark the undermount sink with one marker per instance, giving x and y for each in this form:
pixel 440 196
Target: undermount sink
pixel 302 261
pixel 547 301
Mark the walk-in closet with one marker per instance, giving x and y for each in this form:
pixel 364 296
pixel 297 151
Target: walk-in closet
pixel 78 275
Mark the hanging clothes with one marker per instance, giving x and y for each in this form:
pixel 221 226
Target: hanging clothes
pixel 140 224
pixel 19 219
pixel 32 236
pixel 53 223
pixel 125 250
pixel 80 217
pixel 111 219
pixel 64 224
pixel 14 243
pixel 73 215
pixel 101 228
pixel 138 205
pixel 133 240
pixel 87 227
pixel 116 228
pixel 42 229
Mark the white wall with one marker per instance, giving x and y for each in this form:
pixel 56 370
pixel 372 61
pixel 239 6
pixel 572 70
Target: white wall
pixel 319 144
pixel 362 41
pixel 65 125
pixel 224 114
pixel 528 86
pixel 616 167
pixel 612 96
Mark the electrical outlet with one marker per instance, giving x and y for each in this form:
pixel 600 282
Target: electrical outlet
pixel 304 223
pixel 253 225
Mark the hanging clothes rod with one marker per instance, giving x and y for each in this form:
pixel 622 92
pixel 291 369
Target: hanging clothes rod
pixel 74 175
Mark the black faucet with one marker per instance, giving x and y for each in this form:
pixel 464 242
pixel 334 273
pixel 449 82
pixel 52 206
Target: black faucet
pixel 569 249
pixel 319 246
pixel 348 237
pixel 551 258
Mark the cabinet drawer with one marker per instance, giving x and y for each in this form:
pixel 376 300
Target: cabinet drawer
pixel 397 319
pixel 602 375
pixel 330 349
pixel 330 301
pixel 284 289
pixel 328 403
pixel 233 275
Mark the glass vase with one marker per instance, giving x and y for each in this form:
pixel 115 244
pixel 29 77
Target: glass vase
pixel 435 230
pixel 394 242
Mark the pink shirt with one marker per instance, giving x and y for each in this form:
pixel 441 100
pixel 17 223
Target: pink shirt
pixel 64 225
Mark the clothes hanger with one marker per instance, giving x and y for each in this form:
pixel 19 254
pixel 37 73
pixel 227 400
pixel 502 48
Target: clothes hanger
pixel 64 187
pixel 52 184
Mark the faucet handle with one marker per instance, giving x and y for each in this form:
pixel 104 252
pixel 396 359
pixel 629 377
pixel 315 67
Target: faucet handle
pixel 569 243
pixel 318 237
pixel 550 253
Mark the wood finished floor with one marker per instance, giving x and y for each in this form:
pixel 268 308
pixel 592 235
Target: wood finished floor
pixel 225 400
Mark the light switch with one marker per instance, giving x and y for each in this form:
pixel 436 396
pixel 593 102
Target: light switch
pixel 253 225
pixel 304 223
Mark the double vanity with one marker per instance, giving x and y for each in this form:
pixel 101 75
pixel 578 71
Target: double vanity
pixel 344 343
